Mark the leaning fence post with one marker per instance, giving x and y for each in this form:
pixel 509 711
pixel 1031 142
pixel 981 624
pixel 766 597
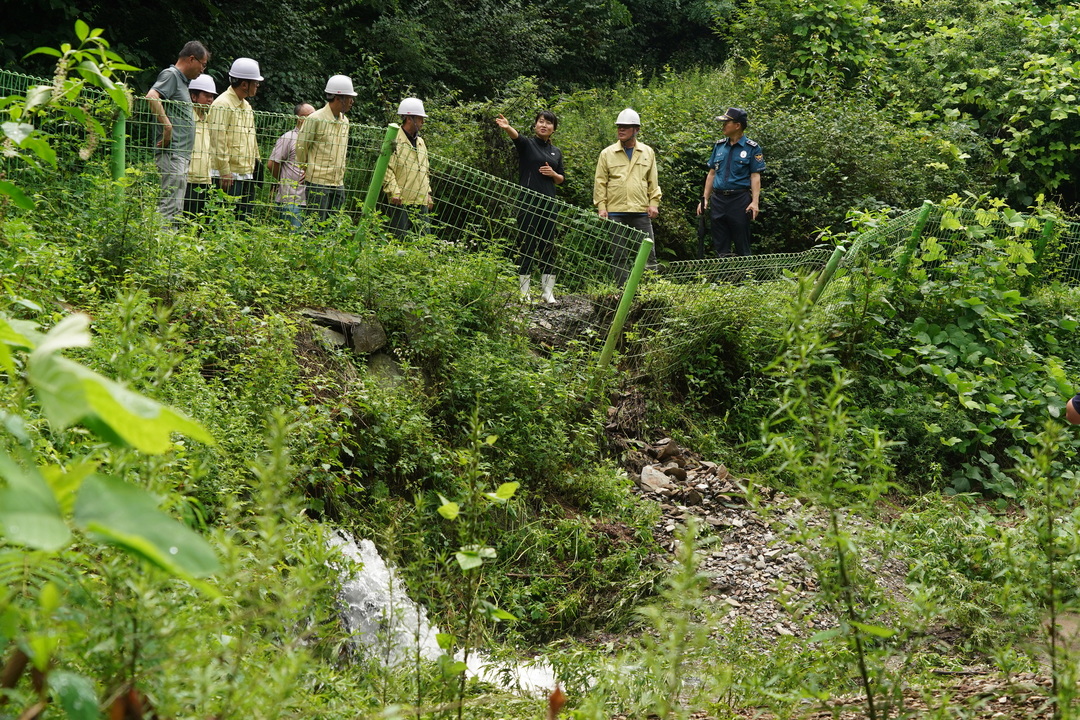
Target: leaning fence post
pixel 624 304
pixel 118 159
pixel 381 164
pixel 378 173
pixel 913 240
pixel 1040 248
pixel 827 273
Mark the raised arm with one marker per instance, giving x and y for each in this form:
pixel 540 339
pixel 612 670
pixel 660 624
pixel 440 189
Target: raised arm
pixel 505 125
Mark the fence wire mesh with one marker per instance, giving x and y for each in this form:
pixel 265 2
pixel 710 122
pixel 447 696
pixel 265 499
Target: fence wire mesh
pixel 683 306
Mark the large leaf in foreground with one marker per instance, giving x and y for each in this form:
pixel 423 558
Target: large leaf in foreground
pixel 29 513
pixel 70 393
pixel 127 516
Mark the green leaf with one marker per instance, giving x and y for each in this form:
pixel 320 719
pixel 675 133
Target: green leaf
pixel 507 490
pixel 41 148
pixel 119 98
pixel 49 599
pixel 875 630
pixel 29 513
pixel 949 222
pixel 15 424
pixel 445 640
pixel 66 481
pixel 17 131
pixel 72 331
pixel 448 510
pixel 38 95
pixel 81 30
pixel 468 559
pixel 92 73
pixel 825 635
pixel 17 196
pixel 127 516
pixel 76 694
pixel 494 613
pixel 44 51
pixel 70 393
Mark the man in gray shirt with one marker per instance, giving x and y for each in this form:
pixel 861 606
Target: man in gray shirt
pixel 172 153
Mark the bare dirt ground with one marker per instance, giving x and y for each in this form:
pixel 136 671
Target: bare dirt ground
pixel 758 574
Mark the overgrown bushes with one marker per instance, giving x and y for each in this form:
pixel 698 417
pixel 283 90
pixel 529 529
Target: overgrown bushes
pixel 824 156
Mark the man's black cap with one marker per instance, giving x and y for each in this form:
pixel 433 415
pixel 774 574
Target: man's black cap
pixel 736 114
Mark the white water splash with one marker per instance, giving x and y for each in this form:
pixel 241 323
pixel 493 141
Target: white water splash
pixel 393 628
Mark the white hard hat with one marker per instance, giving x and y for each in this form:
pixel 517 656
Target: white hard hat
pixel 245 69
pixel 411 106
pixel 628 117
pixel 339 85
pixel 205 83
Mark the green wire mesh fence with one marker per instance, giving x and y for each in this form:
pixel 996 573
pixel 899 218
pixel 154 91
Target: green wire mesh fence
pixel 682 308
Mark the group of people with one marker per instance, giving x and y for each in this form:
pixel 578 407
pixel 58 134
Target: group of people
pixel 626 190
pixel 207 140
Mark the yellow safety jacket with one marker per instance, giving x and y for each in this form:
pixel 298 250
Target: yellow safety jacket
pixel 321 147
pixel 623 184
pixel 233 146
pixel 407 173
pixel 199 169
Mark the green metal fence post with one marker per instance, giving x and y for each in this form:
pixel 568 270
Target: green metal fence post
pixel 118 159
pixel 1040 248
pixel 624 304
pixel 379 173
pixel 827 273
pixel 380 167
pixel 913 240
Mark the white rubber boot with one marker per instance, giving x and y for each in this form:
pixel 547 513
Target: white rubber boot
pixel 524 281
pixel 547 282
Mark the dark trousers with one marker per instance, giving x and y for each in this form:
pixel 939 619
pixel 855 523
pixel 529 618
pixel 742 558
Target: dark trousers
pixel 405 218
pixel 624 245
pixel 730 222
pixel 195 198
pixel 536 234
pixel 324 199
pixel 243 191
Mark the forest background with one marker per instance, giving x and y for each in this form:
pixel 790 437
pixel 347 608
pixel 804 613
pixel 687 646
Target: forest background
pixel 917 404
pixel 857 103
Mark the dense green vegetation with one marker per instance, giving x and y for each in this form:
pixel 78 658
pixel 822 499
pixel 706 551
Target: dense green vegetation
pixel 857 102
pixel 182 555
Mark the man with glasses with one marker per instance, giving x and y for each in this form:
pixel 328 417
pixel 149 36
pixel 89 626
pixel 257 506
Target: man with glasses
pixel 176 137
pixel 233 144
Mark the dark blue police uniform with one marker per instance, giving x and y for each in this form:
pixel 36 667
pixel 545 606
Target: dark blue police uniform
pixel 733 163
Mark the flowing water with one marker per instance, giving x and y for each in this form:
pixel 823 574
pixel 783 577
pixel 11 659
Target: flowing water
pixel 387 624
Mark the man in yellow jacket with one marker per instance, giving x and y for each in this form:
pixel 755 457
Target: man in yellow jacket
pixel 626 191
pixel 231 125
pixel 322 145
pixel 407 186
pixel 203 91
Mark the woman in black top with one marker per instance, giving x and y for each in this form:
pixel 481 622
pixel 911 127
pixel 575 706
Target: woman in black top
pixel 541 169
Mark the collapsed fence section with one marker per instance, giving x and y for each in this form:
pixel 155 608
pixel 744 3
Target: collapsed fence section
pixel 1048 248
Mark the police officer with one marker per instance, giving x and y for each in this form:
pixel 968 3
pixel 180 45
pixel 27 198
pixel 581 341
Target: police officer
pixel 733 185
